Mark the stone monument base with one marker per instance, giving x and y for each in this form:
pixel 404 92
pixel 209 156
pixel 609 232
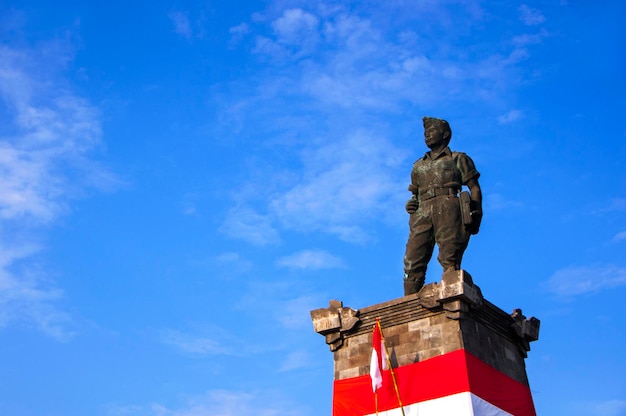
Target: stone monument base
pixel 452 353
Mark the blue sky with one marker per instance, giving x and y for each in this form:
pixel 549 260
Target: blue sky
pixel 182 182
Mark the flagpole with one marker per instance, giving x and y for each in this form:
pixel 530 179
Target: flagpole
pixel 393 376
pixel 376 401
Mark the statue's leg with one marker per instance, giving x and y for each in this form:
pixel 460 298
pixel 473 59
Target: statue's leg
pixel 450 234
pixel 419 249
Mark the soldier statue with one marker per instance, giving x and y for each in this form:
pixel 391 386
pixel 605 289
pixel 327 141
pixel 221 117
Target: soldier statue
pixel 440 211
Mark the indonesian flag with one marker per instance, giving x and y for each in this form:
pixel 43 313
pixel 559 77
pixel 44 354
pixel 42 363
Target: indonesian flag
pixel 379 358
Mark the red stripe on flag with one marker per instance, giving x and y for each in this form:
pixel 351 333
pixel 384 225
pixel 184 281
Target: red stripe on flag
pixel 378 361
pixel 448 374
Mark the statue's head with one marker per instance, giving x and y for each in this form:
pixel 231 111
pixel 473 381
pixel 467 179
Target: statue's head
pixel 437 132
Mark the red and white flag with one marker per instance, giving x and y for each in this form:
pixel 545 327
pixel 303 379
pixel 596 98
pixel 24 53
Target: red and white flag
pixel 379 358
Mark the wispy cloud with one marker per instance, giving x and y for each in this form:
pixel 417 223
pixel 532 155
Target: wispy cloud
pixel 621 236
pixel 614 407
pixel 311 259
pixel 220 403
pixel 295 35
pixel 246 224
pixel 280 301
pixel 238 32
pixel 530 16
pixel 27 297
pixel 346 177
pixel 295 360
pixel 189 25
pixel 294 313
pixel 498 202
pixel 196 345
pixel 527 39
pixel 345 184
pixel 575 281
pixel 44 163
pixel 295 26
pixel 182 26
pixel 510 117
pixel 615 205
pixel 358 66
pixel 52 132
pixel 233 263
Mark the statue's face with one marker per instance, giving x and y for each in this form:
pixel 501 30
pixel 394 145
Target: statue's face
pixel 434 137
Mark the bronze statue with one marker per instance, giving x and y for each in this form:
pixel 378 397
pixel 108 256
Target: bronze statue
pixel 439 211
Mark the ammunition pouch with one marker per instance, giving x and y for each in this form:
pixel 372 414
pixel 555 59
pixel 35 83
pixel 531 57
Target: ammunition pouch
pixel 471 214
pixel 466 208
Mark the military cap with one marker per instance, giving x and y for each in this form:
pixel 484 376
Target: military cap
pixel 443 124
pixel 429 121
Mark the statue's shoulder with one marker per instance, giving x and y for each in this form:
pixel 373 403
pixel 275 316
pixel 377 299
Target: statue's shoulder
pixel 460 155
pixel 419 160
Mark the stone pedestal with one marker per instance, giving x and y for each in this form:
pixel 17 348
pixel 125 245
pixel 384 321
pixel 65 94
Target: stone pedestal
pixel 448 335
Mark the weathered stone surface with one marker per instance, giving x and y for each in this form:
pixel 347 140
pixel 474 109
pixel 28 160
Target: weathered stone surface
pixel 333 321
pixel 442 318
pixel 326 320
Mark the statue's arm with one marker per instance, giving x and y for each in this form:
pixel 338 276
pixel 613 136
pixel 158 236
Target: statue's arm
pixel 412 204
pixel 476 192
pixel 477 204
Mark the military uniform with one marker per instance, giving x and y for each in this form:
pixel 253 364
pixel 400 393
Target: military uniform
pixel 436 181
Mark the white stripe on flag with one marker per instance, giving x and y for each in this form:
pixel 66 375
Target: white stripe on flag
pixel 375 373
pixel 378 361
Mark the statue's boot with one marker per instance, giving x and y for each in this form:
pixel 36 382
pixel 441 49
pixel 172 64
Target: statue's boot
pixel 412 285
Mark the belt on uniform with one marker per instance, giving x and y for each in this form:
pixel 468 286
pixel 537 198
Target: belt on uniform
pixel 429 193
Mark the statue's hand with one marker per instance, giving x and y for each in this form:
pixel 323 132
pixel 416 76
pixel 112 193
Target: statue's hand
pixel 411 205
pixel 477 217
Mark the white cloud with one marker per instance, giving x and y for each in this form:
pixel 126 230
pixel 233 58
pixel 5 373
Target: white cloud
pixel 194 344
pixel 510 117
pixel 233 263
pixel 25 296
pixel 296 35
pixel 294 313
pixel 182 26
pixel 189 203
pixel 295 26
pixel 612 206
pixel 574 281
pixel 280 301
pixel 357 67
pixel 44 164
pixel 246 224
pixel 220 403
pixel 616 204
pixel 615 407
pixel 529 39
pixel 530 16
pixel 54 131
pixel 621 236
pixel 609 408
pixel 238 32
pixel 311 259
pixel 295 360
pixel 267 46
pixel 342 185
pixel 346 183
pixel 498 202
pixel 358 71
